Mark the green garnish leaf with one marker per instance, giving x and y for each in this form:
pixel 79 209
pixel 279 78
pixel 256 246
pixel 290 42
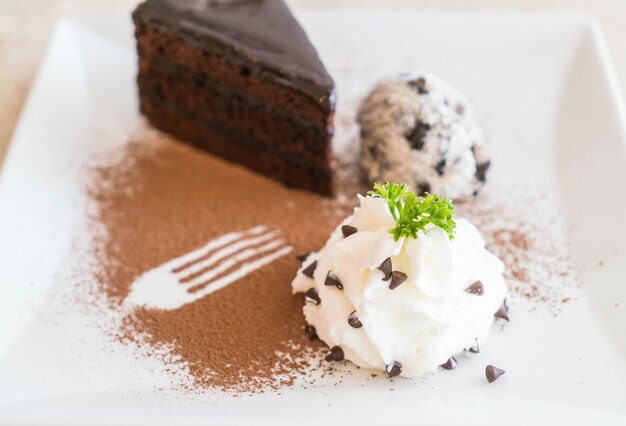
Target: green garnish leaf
pixel 412 213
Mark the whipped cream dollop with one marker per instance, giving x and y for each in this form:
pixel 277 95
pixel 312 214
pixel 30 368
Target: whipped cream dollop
pixel 404 306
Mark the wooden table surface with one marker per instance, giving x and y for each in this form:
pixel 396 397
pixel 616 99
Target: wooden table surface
pixel 26 27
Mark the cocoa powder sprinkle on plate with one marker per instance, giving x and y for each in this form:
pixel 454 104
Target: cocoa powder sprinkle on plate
pixel 535 249
pixel 155 202
pixel 248 336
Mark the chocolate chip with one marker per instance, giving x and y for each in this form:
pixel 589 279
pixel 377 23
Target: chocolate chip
pixel 348 230
pixel 333 281
pixel 476 288
pixel 312 296
pixel 417 135
pixel 198 78
pixel 308 271
pixel 335 354
pixel 460 109
pixel 160 94
pixel 302 257
pixel 441 166
pixel 354 321
pixel 450 364
pixel 423 188
pixel 397 278
pixel 386 267
pixel 373 151
pixel 420 85
pixel 503 312
pixel 481 171
pixel 310 331
pixel 474 349
pixel 492 372
pixel 394 369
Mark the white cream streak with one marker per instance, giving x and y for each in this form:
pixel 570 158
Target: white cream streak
pixel 191 277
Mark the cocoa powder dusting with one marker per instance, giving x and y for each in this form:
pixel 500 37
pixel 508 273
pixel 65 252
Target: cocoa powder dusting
pixel 535 253
pixel 163 199
pixel 158 199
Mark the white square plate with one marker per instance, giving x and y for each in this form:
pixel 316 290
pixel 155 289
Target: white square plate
pixel 548 99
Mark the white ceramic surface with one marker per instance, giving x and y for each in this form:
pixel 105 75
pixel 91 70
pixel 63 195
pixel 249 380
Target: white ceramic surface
pixel 547 97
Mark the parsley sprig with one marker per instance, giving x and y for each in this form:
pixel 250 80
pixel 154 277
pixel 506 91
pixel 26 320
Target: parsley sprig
pixel 413 213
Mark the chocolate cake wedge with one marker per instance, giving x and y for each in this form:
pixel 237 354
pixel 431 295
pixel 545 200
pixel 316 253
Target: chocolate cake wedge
pixel 239 79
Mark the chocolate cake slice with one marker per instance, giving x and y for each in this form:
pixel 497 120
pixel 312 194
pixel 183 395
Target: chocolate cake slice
pixel 239 79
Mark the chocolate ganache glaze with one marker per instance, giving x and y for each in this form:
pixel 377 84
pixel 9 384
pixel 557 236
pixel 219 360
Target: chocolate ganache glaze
pixel 253 30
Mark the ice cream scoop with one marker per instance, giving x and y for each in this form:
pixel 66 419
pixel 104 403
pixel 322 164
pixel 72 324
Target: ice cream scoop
pixel 419 130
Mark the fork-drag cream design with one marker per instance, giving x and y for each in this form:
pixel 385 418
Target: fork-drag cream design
pixel 217 264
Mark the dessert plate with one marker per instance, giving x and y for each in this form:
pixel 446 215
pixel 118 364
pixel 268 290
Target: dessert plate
pixel 547 96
